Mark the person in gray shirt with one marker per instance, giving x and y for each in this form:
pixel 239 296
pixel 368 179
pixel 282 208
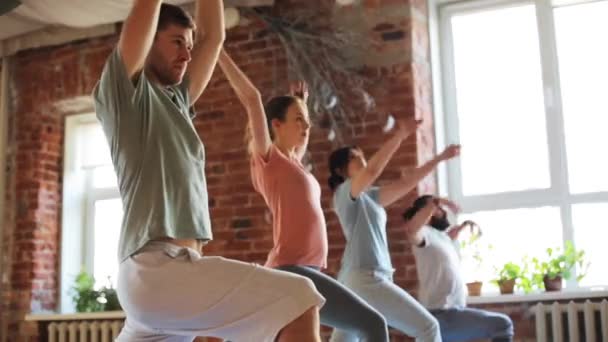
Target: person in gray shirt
pixel 167 288
pixel 442 289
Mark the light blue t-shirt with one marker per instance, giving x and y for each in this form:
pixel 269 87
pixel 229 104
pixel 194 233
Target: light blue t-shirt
pixel 363 222
pixel 157 155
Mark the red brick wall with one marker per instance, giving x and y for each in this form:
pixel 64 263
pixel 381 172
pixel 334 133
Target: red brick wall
pixel 41 79
pixel 45 77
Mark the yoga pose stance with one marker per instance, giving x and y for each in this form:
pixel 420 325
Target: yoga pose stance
pixel 442 288
pixel 360 206
pixel 279 136
pixel 168 289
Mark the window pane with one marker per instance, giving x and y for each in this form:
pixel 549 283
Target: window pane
pixel 582 52
pixel 500 101
pixel 104 177
pixel 108 218
pixel 514 234
pixel 94 149
pixel 589 235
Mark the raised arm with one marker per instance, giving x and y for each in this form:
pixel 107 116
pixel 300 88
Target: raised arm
pixel 451 205
pixel 211 35
pixel 138 34
pixel 300 89
pixel 455 232
pixel 366 177
pixel 250 97
pixel 395 191
pixel 414 225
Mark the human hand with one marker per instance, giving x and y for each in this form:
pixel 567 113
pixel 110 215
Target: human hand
pixel 450 152
pixel 299 89
pixel 406 127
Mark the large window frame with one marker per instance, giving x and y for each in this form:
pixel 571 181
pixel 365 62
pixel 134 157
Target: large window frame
pixel 78 216
pixel 558 194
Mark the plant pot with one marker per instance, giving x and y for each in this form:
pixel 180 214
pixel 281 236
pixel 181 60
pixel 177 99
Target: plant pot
pixel 506 286
pixel 553 284
pixel 474 288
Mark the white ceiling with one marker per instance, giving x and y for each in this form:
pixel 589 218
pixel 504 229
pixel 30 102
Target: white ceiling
pixel 33 15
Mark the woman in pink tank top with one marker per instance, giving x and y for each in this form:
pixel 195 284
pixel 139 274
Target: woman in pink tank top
pixel 279 137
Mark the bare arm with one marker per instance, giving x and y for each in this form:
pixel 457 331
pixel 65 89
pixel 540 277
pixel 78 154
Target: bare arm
pixel 451 205
pixel 395 191
pixel 138 34
pixel 455 232
pixel 250 97
pixel 413 227
pixel 300 89
pixel 210 21
pixel 366 177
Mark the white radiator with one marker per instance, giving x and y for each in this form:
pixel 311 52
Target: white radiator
pixel 589 333
pixel 84 331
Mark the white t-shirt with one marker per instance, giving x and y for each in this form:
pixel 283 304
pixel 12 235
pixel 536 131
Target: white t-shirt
pixel 438 264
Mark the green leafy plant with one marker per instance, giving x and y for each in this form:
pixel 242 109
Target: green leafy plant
pixel 87 299
pixel 559 263
pixel 509 271
pixel 473 248
pixel 518 273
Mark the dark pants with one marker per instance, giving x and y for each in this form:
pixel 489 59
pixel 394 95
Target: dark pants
pixel 343 309
pixel 471 324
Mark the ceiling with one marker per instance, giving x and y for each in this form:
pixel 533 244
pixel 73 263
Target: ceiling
pixel 31 16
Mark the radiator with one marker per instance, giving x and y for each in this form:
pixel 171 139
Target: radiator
pixel 84 331
pixel 591 330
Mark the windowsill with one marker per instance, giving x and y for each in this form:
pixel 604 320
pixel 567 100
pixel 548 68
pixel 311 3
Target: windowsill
pixel 76 316
pixel 579 293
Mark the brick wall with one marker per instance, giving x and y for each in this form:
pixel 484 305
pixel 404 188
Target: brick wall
pixel 43 79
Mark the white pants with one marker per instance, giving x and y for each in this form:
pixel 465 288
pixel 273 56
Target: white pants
pixel 400 310
pixel 172 293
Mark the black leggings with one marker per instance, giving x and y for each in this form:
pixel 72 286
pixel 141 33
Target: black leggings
pixel 343 309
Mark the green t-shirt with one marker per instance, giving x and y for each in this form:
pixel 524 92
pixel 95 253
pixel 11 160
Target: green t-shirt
pixel 157 155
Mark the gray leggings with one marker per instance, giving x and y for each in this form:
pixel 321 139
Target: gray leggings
pixel 343 309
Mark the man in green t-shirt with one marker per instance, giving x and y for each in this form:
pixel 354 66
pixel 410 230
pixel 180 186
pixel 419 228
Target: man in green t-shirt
pixel 168 290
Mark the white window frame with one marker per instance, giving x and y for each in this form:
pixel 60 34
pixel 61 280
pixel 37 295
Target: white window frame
pixel 78 210
pixel 450 178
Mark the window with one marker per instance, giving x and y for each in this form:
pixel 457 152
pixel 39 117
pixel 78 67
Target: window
pixel 523 88
pixel 92 209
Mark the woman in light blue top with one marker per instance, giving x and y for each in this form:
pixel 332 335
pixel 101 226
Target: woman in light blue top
pixel 366 263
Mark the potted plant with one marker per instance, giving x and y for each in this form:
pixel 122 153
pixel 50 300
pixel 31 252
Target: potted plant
pixel 558 266
pixel 87 299
pixel 472 249
pixel 508 276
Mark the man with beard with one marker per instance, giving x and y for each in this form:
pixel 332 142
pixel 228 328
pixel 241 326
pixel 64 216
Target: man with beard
pixel 442 289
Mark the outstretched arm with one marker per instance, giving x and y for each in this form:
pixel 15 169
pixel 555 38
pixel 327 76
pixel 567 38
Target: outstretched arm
pixel 210 22
pixel 395 191
pixel 413 227
pixel 138 34
pixel 451 205
pixel 455 232
pixel 250 97
pixel 366 177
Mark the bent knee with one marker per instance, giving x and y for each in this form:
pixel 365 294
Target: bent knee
pixel 376 320
pixel 503 324
pixel 304 285
pixel 432 325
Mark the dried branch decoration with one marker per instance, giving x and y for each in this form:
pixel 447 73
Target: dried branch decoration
pixel 321 56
